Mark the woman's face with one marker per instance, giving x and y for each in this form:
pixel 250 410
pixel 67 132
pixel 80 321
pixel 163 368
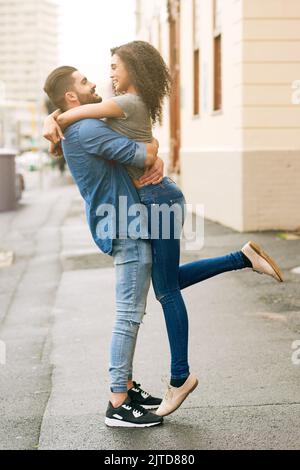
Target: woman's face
pixel 119 74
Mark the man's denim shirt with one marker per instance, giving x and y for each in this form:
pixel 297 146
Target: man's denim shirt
pixel 95 155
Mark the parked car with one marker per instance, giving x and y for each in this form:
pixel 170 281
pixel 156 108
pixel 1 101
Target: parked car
pixel 32 161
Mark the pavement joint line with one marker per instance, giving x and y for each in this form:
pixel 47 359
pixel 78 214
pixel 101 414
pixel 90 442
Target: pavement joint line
pixel 12 296
pixel 241 406
pixel 49 335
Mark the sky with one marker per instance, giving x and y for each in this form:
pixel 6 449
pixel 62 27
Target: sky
pixel 88 29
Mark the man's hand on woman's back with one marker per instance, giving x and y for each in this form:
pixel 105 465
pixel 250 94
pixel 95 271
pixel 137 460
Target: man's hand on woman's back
pixel 154 174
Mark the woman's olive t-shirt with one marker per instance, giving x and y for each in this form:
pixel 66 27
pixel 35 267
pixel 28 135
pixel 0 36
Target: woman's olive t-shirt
pixel 136 124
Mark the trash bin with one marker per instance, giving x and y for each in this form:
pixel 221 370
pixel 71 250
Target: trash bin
pixel 8 200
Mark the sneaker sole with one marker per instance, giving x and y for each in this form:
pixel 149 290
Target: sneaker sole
pixel 150 407
pixel 180 403
pixel 116 423
pixel 267 258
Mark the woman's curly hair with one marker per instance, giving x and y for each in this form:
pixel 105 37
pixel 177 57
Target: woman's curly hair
pixel 149 74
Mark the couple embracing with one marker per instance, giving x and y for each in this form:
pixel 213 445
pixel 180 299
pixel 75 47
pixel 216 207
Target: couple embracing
pixel 111 153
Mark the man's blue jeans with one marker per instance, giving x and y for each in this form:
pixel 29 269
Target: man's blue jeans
pixel 133 261
pixel 169 278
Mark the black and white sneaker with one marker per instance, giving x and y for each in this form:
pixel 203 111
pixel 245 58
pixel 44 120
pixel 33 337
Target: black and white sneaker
pixel 143 398
pixel 130 415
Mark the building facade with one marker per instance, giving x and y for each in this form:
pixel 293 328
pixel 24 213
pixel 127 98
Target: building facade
pixel 233 131
pixel 28 52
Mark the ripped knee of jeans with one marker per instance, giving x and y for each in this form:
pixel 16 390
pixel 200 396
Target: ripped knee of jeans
pixel 134 323
pixel 131 322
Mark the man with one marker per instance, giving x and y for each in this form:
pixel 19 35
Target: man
pixel 95 155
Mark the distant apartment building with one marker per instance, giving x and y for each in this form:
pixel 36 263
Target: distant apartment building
pixel 28 51
pixel 233 130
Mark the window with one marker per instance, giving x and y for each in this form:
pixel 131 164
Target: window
pixel 196 57
pixel 217 31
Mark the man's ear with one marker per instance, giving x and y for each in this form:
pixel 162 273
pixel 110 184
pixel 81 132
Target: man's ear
pixel 70 97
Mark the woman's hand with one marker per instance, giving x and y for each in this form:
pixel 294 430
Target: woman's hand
pixel 51 130
pixel 154 174
pixel 56 150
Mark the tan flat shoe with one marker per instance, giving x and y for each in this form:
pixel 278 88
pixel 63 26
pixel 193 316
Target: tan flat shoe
pixel 261 262
pixel 175 396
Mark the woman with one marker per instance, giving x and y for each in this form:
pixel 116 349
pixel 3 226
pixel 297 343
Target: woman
pixel 142 81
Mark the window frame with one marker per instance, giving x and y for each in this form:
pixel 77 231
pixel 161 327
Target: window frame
pixel 217 62
pixel 196 62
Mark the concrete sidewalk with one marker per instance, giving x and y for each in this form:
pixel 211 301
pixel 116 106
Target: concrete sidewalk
pixel 248 395
pixel 242 326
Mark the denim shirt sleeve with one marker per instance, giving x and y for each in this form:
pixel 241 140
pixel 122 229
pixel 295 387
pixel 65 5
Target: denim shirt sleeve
pixel 97 139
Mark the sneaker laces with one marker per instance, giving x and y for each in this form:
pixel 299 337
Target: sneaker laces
pixel 139 409
pixel 136 408
pixel 137 388
pixel 137 413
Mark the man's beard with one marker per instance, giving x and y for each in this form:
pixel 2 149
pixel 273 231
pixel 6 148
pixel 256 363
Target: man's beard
pixel 89 98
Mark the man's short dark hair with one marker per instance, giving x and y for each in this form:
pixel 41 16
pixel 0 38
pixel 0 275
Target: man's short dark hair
pixel 58 83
